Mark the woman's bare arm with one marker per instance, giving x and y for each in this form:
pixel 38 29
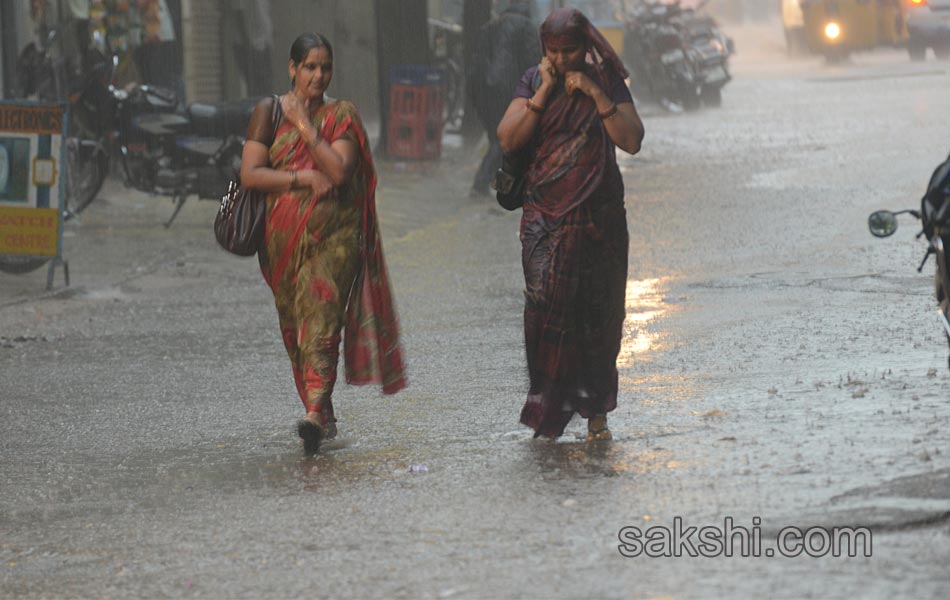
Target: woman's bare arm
pixel 256 173
pixel 625 128
pixel 621 121
pixel 338 160
pixel 518 124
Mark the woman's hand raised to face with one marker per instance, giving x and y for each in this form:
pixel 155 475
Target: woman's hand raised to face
pixel 548 73
pixel 579 81
pixel 294 111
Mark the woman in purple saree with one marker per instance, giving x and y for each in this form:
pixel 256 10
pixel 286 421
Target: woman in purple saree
pixel 571 111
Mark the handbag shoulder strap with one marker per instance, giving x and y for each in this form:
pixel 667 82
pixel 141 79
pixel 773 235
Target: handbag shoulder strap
pixel 275 116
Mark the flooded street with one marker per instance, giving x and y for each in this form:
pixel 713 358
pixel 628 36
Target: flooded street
pixel 778 363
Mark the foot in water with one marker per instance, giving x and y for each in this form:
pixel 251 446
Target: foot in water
pixel 312 432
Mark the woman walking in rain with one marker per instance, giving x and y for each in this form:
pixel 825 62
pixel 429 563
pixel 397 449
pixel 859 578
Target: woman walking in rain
pixel 323 256
pixel 570 112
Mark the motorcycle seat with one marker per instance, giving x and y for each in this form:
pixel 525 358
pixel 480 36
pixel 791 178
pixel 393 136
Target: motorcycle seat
pixel 199 146
pixel 161 124
pixel 220 120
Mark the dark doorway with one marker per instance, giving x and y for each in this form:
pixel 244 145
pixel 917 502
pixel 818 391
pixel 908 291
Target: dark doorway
pixel 8 49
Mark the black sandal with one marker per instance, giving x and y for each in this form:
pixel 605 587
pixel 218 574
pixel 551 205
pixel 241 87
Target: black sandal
pixel 311 434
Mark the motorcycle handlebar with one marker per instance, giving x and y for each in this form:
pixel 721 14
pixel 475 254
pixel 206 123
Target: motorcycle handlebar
pixel 160 93
pixel 163 95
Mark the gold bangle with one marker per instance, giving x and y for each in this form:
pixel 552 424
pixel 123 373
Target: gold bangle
pixel 609 112
pixel 534 107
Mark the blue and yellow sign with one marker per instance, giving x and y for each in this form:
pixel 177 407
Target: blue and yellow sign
pixel 31 178
pixel 33 231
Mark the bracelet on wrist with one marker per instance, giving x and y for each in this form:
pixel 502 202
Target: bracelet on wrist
pixel 609 112
pixel 533 107
pixel 293 179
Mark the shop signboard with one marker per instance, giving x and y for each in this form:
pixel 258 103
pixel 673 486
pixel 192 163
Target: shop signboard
pixel 32 181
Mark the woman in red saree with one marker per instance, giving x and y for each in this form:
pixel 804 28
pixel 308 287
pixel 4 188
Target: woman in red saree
pixel 323 256
pixel 570 112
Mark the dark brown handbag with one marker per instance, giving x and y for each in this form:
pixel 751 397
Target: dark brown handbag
pixel 509 182
pixel 240 222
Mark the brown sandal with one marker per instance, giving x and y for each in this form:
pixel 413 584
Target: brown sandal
pixel 597 429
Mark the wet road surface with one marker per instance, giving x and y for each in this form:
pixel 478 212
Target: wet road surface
pixel 778 362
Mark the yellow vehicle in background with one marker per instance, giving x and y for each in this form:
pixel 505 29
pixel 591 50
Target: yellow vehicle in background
pixel 836 28
pixel 793 22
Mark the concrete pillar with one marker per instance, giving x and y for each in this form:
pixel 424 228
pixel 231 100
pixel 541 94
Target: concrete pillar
pixel 201 43
pixel 16 31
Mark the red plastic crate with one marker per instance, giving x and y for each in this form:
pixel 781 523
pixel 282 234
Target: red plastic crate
pixel 415 121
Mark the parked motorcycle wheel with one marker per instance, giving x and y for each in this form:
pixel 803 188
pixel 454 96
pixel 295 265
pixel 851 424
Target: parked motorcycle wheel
pixel 87 166
pixel 916 51
pixel 691 101
pixel 640 88
pixel 21 264
pixel 454 95
pixel 711 97
pixel 836 56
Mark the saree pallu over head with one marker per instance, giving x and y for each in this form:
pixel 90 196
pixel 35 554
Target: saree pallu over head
pixel 573 151
pixel 372 352
pixel 571 25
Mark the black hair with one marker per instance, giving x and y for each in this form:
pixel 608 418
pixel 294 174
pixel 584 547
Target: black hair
pixel 306 42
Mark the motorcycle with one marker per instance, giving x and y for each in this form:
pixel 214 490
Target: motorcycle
pixel 169 151
pixel 161 147
pixel 43 75
pixel 712 49
pixel 676 57
pixel 659 58
pixel 934 215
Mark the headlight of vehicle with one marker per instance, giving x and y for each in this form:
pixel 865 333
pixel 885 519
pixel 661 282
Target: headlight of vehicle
pixel 832 31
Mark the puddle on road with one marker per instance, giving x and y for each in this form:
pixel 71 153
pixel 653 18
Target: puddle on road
pixel 162 478
pixel 878 74
pixel 583 459
pixel 108 293
pixel 646 302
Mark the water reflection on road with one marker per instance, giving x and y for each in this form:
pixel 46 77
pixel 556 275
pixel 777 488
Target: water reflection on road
pixel 645 304
pixel 580 460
